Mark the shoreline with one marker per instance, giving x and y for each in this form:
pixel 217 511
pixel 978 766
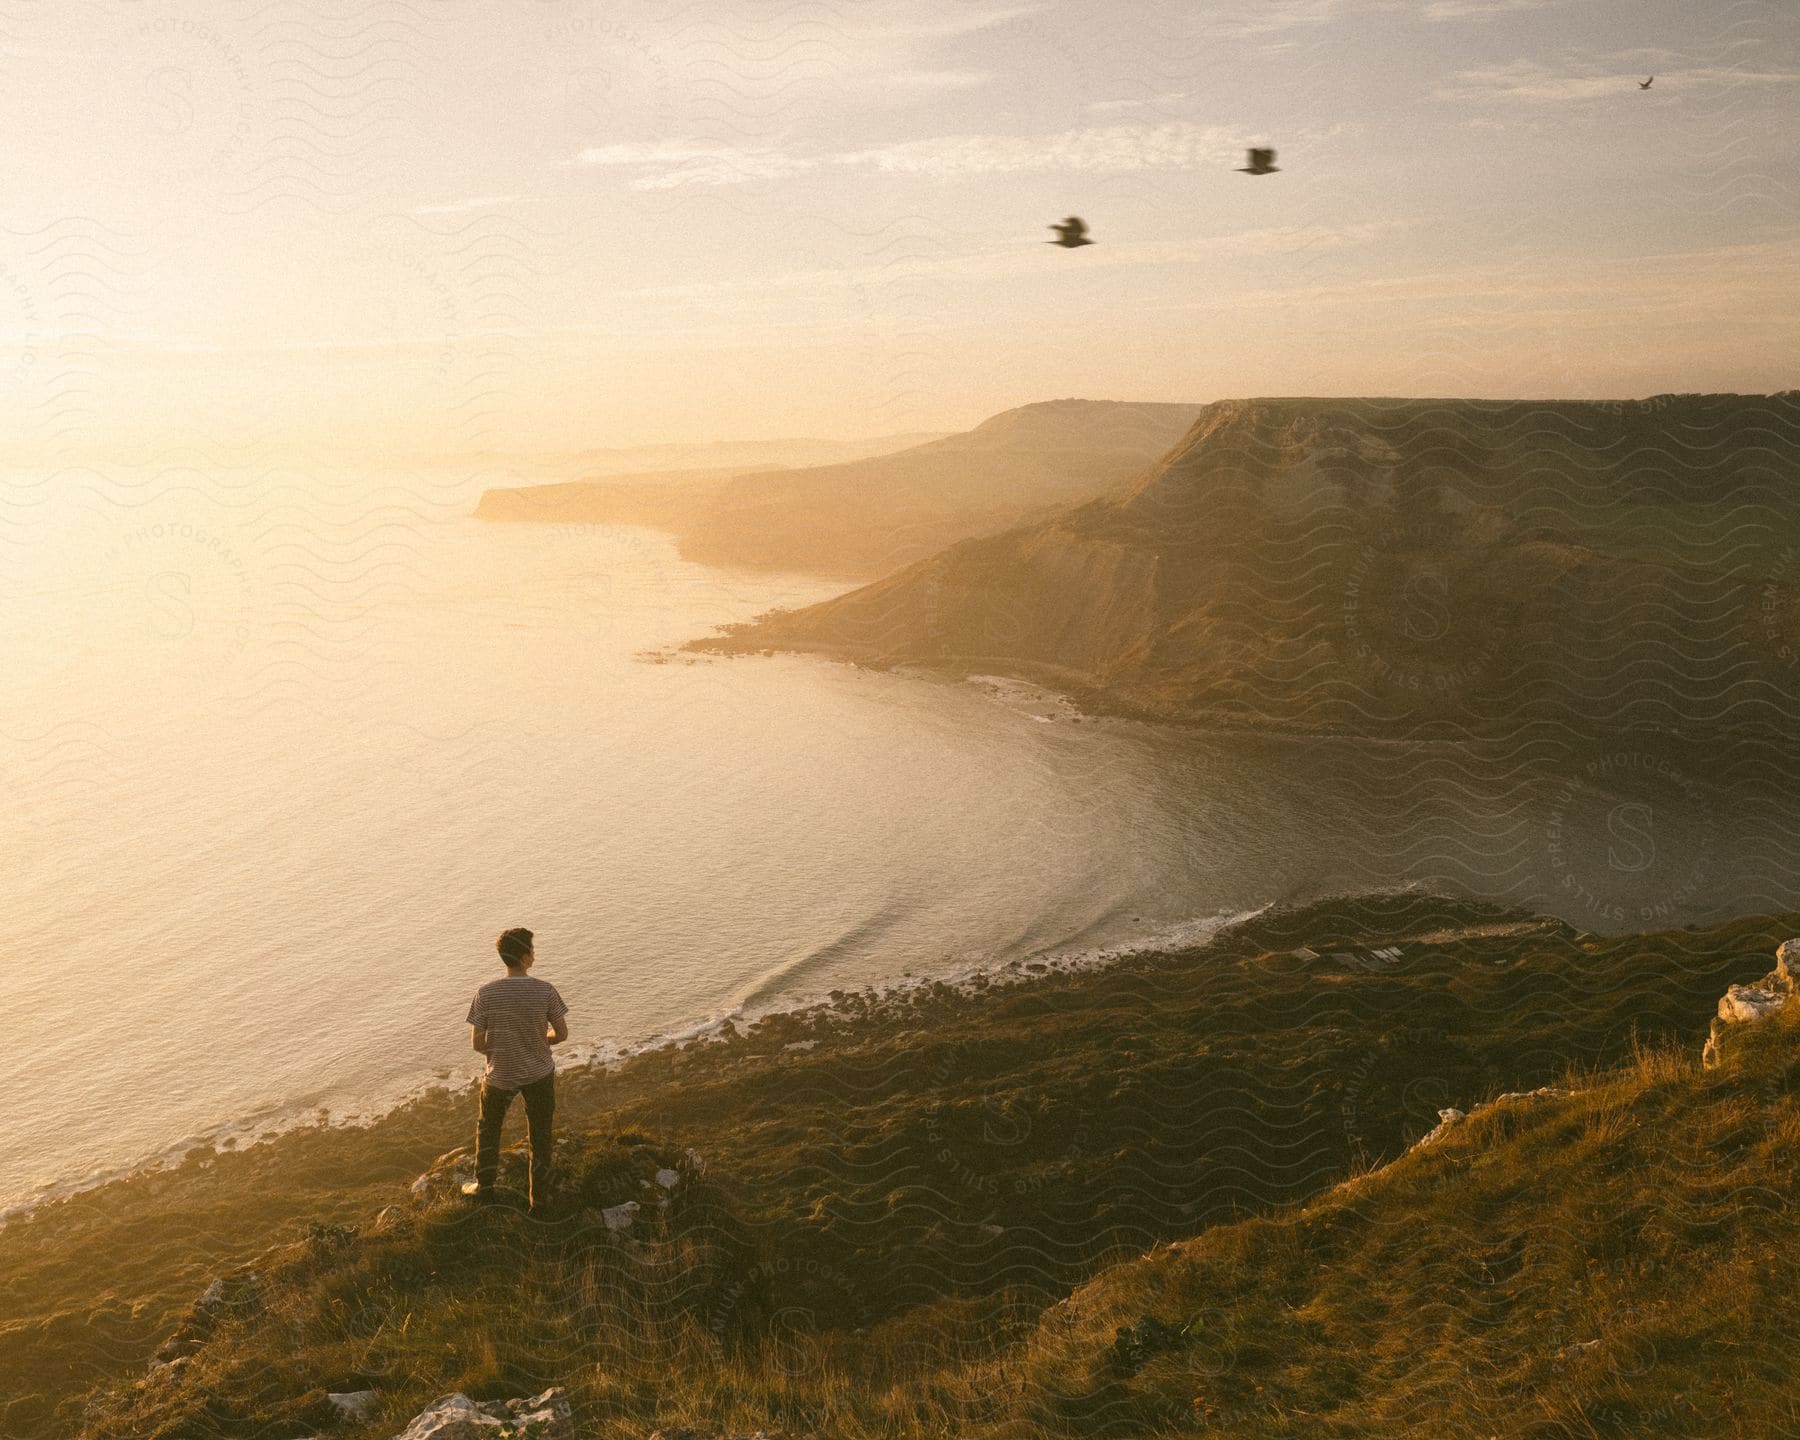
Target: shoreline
pixel 600 1058
pixel 1092 701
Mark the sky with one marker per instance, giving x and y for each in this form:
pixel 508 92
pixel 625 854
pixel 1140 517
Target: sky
pixel 449 227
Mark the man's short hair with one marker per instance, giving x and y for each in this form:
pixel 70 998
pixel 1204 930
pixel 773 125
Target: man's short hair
pixel 514 945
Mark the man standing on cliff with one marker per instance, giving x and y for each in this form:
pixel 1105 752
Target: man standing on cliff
pixel 516 1020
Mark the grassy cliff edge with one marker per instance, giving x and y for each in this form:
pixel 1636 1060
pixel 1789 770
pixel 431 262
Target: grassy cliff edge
pixel 924 1214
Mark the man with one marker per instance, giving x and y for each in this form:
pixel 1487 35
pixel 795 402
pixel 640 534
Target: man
pixel 515 1021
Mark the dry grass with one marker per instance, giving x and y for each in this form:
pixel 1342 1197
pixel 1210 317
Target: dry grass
pixel 833 1276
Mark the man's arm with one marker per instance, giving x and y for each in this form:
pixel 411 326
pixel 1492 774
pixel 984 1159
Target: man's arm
pixel 559 1031
pixel 480 1038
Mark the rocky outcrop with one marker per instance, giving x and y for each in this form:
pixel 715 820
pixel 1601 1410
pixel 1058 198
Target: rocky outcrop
pixel 1741 1004
pixel 1450 1118
pixel 446 1175
pixel 1447 1121
pixel 228 1296
pixel 653 1183
pixel 545 1416
pixel 620 1217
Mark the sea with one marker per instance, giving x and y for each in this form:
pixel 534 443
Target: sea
pixel 282 751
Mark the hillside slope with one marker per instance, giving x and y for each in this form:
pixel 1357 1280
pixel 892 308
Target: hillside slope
pixel 896 1195
pixel 867 517
pixel 1376 566
pixel 1614 1258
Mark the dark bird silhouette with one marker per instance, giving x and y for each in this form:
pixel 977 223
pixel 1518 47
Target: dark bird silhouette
pixel 1646 84
pixel 1262 162
pixel 1070 233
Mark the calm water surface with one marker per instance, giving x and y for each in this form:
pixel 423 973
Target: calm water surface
pixel 282 757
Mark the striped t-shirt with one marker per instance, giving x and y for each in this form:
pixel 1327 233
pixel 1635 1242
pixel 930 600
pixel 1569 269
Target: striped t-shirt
pixel 515 1010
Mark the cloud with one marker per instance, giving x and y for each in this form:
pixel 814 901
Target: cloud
pixel 672 163
pixel 1530 82
pixel 1099 149
pixel 1440 10
pixel 938 21
pixel 1245 18
pixel 744 64
pixel 1110 148
pixel 1256 18
pixel 1147 102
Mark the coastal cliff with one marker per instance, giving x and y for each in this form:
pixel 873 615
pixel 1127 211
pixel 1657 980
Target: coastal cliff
pixel 1422 567
pixel 867 517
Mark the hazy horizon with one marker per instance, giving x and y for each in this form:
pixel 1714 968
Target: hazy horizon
pixel 375 230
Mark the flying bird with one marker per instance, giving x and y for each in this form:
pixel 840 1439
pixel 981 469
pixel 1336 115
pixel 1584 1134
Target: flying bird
pixel 1646 84
pixel 1262 162
pixel 1070 233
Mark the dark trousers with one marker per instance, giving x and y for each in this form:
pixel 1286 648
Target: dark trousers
pixel 540 1107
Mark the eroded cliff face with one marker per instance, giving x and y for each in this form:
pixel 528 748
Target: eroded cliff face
pixel 1419 566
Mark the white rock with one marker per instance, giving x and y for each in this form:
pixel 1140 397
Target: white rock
pixel 1543 1092
pixel 457 1417
pixel 1743 1003
pixel 1446 1119
pixel 545 1414
pixel 1750 1002
pixel 668 1179
pixel 619 1217
pixel 447 1176
pixel 352 1404
pixel 801 1045
pixel 1787 962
